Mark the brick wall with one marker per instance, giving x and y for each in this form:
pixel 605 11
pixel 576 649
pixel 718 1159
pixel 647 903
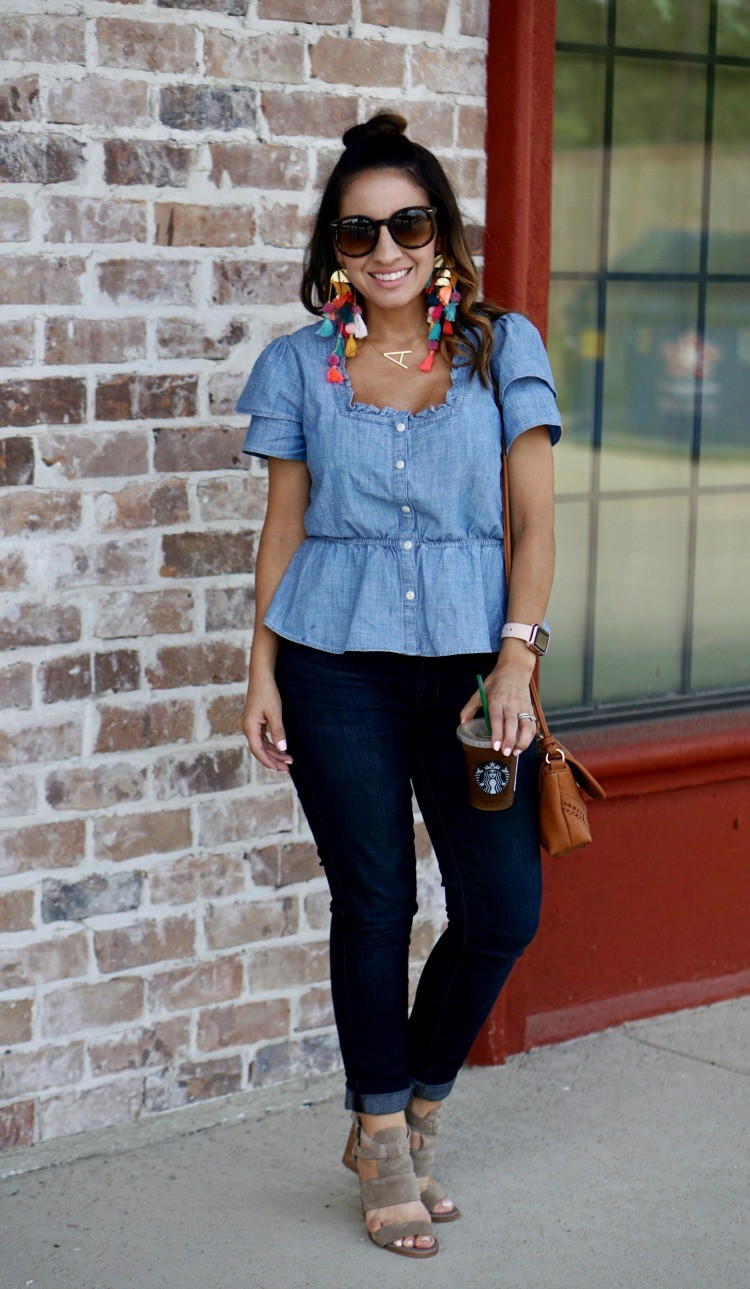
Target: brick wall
pixel 163 919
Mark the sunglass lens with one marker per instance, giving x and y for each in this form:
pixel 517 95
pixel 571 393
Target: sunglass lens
pixel 412 228
pixel 355 236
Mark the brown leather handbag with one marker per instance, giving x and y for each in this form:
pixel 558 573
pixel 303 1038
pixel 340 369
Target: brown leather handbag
pixel 563 818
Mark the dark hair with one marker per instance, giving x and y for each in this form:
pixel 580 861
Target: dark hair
pixel 381 144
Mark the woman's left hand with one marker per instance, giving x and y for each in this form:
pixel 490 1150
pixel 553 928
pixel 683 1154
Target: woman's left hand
pixel 508 693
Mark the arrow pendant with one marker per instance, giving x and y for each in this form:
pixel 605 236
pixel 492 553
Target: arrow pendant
pixel 397 357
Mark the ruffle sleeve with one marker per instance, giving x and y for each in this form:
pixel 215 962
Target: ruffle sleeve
pixel 524 379
pixel 273 397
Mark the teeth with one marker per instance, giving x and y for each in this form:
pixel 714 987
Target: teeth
pixel 391 277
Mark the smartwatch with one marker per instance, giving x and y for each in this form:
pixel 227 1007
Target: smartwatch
pixel 534 636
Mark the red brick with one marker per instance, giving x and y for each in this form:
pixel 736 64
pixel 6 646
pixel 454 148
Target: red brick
pixel 285 226
pixel 18 794
pixel 97 1006
pixel 15 685
pixel 468 175
pixel 101 563
pixel 70 341
pixel 317 11
pixel 123 729
pixel 143 942
pixel 243 1024
pixel 187 448
pixel 416 15
pixel 192 1081
pixel 144 613
pixel 14 573
pixel 233 8
pixel 195 986
pixel 39 512
pixel 239 923
pixel 39 624
pixel 117 671
pixel 206 554
pixel 88 219
pixel 131 397
pixel 41 743
pixel 19 99
pixel 15 220
pixel 474 17
pixel 95 787
pixel 190 338
pixel 122 837
pixel 44 38
pixel 318 910
pixel 36 279
pixel 258 165
pixel 284 966
pixel 100 100
pixel 226 610
pixel 92 896
pixel 284 864
pixel 324 116
pixel 217 770
pixel 149 46
pixel 16 1124
pixel 52 401
pixel 16 342
pixel 65 679
pixel 163 1042
pixel 337 59
pixel 251 282
pixel 53 1066
pixel 47 159
pixel 212 663
pixel 472 127
pixel 182 225
pixel 82 456
pixel 224 714
pixel 147 161
pixel 87 1109
pixel 314 1009
pixel 208 107
pixel 440 70
pixel 15 1022
pixel 163 281
pixel 197 877
pixel 59 958
pixel 143 505
pixel 55 845
pixel 236 819
pixel 16 461
pixel 253 57
pixel 239 497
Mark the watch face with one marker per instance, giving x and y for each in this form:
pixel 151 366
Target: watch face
pixel 541 640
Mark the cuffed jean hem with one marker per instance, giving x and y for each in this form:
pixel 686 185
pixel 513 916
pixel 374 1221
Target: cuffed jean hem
pixel 377 1102
pixel 431 1091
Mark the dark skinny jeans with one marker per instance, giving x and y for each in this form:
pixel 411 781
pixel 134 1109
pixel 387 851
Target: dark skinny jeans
pixel 362 729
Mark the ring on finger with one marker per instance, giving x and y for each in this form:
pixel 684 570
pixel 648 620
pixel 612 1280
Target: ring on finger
pixel 526 716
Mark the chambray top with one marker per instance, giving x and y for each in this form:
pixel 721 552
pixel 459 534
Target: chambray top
pixel 404 545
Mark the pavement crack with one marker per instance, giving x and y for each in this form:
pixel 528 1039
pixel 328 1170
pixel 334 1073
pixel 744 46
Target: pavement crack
pixel 689 1056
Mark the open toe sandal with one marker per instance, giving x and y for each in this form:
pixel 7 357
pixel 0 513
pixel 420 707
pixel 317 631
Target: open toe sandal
pixel 423 1160
pixel 395 1183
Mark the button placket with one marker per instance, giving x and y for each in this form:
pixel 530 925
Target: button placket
pixel 406 552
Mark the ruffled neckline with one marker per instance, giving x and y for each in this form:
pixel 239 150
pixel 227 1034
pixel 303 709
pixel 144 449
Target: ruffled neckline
pixel 345 395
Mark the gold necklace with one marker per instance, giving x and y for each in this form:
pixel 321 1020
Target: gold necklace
pixel 394 355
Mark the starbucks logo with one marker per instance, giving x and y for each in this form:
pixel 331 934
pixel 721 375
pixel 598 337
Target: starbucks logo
pixel 492 777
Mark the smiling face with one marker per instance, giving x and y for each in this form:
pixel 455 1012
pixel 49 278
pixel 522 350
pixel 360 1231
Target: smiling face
pixel 390 277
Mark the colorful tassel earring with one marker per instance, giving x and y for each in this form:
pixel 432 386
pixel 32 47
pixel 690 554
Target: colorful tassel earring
pixel 342 318
pixel 442 300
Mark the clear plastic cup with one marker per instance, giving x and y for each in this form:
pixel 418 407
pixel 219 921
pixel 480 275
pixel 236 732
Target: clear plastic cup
pixel 491 776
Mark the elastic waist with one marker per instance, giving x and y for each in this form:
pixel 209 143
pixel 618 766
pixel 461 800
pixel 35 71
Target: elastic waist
pixel 396 543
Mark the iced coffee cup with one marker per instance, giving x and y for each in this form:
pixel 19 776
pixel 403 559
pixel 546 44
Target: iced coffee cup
pixel 491 777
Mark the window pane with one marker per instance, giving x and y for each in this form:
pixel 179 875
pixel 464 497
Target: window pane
pixel 640 597
pixel 581 20
pixel 725 436
pixel 649 385
pixel 657 167
pixel 562 673
pixel 733 31
pixel 663 24
pixel 729 240
pixel 578 162
pixel 721 622
pixel 573 346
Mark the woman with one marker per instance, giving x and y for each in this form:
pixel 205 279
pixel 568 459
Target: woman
pixel 380 594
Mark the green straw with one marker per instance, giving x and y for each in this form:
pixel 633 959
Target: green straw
pixel 485 708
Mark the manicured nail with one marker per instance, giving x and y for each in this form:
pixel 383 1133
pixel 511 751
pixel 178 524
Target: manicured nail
pixel 516 751
pixel 281 745
pixel 496 746
pixel 506 751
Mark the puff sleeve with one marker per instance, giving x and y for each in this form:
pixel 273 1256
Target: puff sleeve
pixel 273 396
pixel 524 378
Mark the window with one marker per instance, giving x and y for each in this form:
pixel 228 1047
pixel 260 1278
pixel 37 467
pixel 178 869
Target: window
pixel 649 338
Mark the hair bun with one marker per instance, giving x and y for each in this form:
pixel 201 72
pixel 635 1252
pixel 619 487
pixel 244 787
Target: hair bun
pixel 382 123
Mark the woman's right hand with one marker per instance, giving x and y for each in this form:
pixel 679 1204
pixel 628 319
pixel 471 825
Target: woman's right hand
pixel 262 725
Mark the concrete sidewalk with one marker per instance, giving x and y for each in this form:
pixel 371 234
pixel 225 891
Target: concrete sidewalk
pixel 616 1161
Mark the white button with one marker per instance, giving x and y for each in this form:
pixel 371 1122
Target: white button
pixel 407 546
pixel 406 510
pixel 400 465
pixel 410 595
pixel 400 427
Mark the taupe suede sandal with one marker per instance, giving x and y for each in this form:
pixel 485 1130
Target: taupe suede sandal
pixel 423 1159
pixel 394 1184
